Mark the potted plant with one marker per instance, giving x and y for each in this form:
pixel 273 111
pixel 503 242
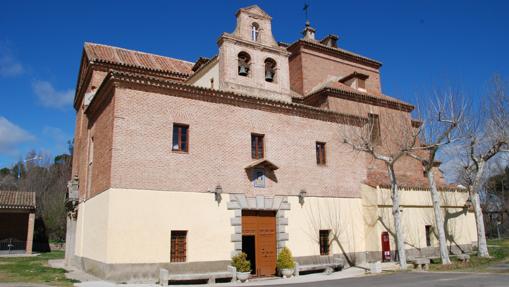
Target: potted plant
pixel 285 263
pixel 242 265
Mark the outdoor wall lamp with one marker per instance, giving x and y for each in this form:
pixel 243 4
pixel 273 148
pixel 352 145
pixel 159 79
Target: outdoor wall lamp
pixel 217 193
pixel 468 204
pixel 302 194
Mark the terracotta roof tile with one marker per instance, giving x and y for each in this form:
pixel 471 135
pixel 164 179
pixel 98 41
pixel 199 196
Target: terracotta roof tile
pixel 379 178
pixel 17 199
pixel 109 54
pixel 346 88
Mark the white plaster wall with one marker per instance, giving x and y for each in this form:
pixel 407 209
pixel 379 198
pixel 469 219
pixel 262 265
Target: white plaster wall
pixel 417 213
pixel 204 76
pixel 92 228
pixel 342 215
pixel 140 223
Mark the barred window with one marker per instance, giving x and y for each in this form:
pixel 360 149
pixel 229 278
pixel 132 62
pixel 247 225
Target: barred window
pixel 324 242
pixel 429 233
pixel 178 245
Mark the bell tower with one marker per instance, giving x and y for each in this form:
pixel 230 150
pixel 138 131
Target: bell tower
pixel 250 60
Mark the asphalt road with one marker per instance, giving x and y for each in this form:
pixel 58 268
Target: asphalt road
pixel 417 279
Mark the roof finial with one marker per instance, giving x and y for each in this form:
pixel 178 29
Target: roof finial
pixel 309 32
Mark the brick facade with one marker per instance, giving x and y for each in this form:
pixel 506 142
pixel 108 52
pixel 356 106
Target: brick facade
pixel 132 184
pixel 132 129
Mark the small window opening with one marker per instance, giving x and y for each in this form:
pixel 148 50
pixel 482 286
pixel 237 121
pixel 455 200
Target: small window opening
pixel 211 83
pixel 270 70
pixel 429 233
pixel 255 32
pixel 257 148
pixel 374 129
pixel 324 242
pixel 361 84
pixel 180 138
pixel 243 62
pixel 320 153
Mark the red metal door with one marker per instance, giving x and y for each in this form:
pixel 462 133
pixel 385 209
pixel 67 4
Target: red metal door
pixel 386 247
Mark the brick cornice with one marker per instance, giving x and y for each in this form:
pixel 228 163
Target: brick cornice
pixel 294 49
pixel 361 98
pixel 128 80
pixel 102 65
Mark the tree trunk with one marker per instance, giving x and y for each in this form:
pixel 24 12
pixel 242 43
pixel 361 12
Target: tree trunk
pixel 479 220
pixel 439 221
pixel 396 213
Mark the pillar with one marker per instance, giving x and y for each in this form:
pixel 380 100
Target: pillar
pixel 30 232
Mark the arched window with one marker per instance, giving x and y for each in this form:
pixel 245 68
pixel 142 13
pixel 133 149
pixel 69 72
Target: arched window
pixel 270 70
pixel 255 31
pixel 243 62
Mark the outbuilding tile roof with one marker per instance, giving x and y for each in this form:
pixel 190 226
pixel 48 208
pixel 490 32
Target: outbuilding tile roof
pixel 17 199
pixel 121 56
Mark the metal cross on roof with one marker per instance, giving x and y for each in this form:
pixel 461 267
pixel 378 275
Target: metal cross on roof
pixel 306 8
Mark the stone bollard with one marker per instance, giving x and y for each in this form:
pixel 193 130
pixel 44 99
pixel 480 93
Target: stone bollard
pixel 163 277
pixel 375 267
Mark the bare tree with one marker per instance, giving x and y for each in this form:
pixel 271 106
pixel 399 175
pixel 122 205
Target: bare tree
pixel 487 135
pixel 387 138
pixel 439 122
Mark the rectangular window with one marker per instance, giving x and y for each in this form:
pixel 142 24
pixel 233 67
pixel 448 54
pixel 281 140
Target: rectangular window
pixel 374 129
pixel 178 245
pixel 257 148
pixel 320 153
pixel 429 233
pixel 324 242
pixel 180 138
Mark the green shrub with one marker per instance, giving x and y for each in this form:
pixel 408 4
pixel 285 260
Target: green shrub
pixel 240 262
pixel 285 259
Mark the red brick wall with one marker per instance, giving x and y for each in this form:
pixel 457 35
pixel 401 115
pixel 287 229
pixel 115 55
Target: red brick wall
pixel 81 138
pixel 295 67
pixel 315 68
pixel 220 148
pixel 393 124
pixel 102 133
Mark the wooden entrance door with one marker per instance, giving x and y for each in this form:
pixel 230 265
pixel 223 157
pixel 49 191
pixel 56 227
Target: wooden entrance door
pixel 262 225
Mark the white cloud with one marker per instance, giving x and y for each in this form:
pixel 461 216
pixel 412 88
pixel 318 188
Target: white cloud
pixel 49 97
pixel 9 65
pixel 11 136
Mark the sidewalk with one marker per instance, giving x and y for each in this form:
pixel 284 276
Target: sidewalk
pixel 88 280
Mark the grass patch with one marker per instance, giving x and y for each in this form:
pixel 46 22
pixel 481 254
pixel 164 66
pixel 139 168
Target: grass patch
pixel 34 270
pixel 499 252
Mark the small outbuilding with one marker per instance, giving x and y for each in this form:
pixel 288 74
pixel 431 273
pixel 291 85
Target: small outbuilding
pixel 17 218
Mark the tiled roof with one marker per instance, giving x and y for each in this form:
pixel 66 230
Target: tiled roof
pixel 346 88
pixel 405 181
pixel 131 58
pixel 17 199
pixel 336 51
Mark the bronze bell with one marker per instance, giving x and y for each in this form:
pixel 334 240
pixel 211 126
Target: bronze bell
pixel 243 70
pixel 269 75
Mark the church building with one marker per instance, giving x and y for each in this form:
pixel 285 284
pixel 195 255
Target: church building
pixel 180 165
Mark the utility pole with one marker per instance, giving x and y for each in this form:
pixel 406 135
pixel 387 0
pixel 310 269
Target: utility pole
pixel 25 161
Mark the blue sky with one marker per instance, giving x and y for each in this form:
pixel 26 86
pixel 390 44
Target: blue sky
pixel 424 45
